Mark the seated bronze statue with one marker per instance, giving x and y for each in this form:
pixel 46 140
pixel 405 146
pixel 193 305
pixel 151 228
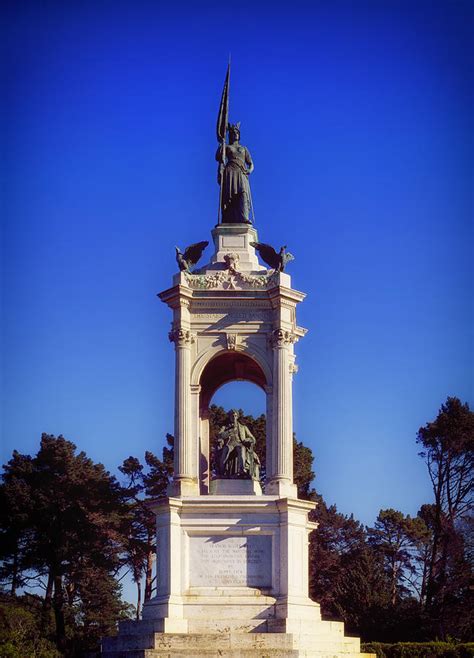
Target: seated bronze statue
pixel 235 454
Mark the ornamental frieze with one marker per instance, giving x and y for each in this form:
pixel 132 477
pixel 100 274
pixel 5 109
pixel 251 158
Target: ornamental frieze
pixel 230 280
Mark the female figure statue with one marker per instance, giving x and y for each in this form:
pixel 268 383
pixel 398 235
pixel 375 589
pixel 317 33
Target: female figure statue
pixel 235 165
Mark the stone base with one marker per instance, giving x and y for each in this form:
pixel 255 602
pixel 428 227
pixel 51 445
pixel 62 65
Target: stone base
pixel 233 582
pixel 140 640
pixel 237 487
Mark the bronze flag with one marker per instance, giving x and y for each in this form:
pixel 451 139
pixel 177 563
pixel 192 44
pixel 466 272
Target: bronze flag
pixel 223 116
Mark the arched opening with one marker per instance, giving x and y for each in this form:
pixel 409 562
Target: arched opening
pixel 227 367
pixel 240 394
pixel 231 380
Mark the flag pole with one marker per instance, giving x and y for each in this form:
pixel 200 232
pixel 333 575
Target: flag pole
pixel 222 121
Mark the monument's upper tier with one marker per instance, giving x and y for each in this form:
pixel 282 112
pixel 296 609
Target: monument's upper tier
pixel 234 264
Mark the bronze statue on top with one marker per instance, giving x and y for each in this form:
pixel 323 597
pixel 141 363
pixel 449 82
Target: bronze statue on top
pixel 235 166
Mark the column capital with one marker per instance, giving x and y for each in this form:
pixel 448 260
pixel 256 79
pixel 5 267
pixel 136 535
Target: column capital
pixel 282 337
pixel 181 337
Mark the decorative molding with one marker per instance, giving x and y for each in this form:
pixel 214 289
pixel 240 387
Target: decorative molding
pixel 181 336
pixel 226 307
pixel 293 368
pixel 231 340
pixel 229 280
pixel 234 317
pixel 281 337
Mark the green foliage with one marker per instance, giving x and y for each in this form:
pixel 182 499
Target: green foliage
pixel 139 523
pixel 448 450
pixel 401 542
pixel 21 635
pixel 419 650
pixel 303 474
pixel 346 576
pixel 67 514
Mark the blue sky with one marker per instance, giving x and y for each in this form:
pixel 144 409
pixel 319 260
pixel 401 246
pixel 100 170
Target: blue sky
pixel 358 116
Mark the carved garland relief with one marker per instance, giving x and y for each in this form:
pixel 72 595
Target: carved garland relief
pixel 229 279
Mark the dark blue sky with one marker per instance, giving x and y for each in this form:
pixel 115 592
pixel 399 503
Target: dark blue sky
pixel 358 116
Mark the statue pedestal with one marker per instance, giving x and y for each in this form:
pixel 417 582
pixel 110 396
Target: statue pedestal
pixel 237 487
pixel 233 582
pixel 236 239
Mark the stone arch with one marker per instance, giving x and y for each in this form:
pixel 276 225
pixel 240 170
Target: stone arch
pixel 227 366
pixel 254 353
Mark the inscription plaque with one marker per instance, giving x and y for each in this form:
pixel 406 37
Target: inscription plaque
pixel 221 561
pixel 245 316
pixel 233 241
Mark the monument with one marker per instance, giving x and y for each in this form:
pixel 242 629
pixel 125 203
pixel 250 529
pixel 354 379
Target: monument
pixel 232 561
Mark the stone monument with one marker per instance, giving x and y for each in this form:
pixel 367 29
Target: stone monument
pixel 232 562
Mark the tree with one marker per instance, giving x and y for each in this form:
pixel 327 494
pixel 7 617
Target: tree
pixel 448 450
pixel 67 513
pixel 21 634
pixel 398 539
pixel 139 524
pixel 15 532
pixel 335 547
pixel 303 474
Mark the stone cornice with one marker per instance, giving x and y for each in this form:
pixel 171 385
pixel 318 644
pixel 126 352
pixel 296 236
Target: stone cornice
pixel 280 292
pixel 176 296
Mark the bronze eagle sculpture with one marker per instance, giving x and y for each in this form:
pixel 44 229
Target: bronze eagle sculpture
pixel 191 255
pixel 277 261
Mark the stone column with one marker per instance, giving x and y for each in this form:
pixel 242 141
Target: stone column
pixel 281 476
pixel 269 430
pixel 185 480
pixel 204 457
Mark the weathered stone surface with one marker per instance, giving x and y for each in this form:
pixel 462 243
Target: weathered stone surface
pixel 234 645
pixel 237 584
pixel 221 487
pixel 220 561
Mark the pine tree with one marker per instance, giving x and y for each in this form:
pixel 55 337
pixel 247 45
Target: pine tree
pixel 448 450
pixel 67 522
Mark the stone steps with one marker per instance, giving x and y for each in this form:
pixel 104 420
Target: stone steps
pixel 239 653
pixel 231 645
